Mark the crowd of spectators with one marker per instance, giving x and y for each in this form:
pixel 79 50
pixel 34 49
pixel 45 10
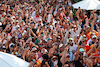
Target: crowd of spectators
pixel 50 33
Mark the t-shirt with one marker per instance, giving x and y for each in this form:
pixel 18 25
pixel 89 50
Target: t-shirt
pixel 74 47
pixel 78 63
pixel 74 34
pixel 49 62
pixel 34 30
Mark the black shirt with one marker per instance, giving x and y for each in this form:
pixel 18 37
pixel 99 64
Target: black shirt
pixel 78 63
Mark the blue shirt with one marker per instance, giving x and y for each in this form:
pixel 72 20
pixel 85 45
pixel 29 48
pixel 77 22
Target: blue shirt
pixel 71 58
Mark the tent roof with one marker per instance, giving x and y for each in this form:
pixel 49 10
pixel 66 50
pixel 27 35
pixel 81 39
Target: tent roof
pixel 9 60
pixel 88 5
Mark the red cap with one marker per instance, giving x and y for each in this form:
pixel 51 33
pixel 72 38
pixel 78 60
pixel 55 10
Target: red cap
pixel 41 47
pixel 96 55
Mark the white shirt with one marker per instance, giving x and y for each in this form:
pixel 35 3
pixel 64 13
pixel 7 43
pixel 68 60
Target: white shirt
pixel 74 47
pixel 14 28
pixel 89 41
pixel 49 18
pixel 33 13
pixel 74 34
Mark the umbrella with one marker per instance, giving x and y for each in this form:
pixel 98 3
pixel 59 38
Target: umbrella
pixel 88 5
pixel 8 60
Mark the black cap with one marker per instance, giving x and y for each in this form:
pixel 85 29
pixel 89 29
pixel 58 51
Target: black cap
pixel 45 56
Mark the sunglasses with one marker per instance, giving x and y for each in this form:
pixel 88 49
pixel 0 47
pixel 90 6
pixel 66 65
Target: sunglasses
pixel 83 41
pixel 70 40
pixel 55 59
pixel 34 51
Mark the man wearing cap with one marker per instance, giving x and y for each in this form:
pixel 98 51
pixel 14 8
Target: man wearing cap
pixel 33 55
pixel 74 31
pixel 37 17
pixel 61 47
pixel 39 22
pixel 73 46
pixel 55 61
pixel 79 61
pixel 94 38
pixel 92 34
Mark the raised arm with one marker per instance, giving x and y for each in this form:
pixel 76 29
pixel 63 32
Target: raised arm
pixel 64 56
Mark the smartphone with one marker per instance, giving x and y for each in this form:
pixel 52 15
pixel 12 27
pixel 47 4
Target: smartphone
pixel 16 28
pixel 28 28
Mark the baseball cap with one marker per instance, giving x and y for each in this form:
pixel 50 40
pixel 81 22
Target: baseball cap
pixel 54 44
pixel 39 19
pixel 94 36
pixel 4 47
pixel 16 20
pixel 81 50
pixel 45 56
pixel 88 27
pixel 11 44
pixel 22 21
pixel 61 45
pixel 45 51
pixel 0 24
pixel 34 49
pixel 54 57
pixel 71 39
pixel 74 26
pixel 84 38
pixel 17 26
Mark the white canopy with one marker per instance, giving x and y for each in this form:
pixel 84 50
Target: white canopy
pixel 88 5
pixel 8 60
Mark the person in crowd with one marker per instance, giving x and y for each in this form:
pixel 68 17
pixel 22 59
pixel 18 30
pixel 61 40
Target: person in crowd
pixel 50 33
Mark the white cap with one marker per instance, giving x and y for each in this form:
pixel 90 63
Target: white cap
pixel 17 26
pixel 13 17
pixel 39 19
pixel 60 9
pixel 60 0
pixel 74 26
pixel 34 48
pixel 94 36
pixel 18 11
pixel 11 44
pixel 23 5
pixel 45 51
pixel 61 45
pixel 71 39
pixel 54 44
pixel 3 47
pixel 84 35
pixel 16 20
pixel 0 24
pixel 54 57
pixel 88 27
